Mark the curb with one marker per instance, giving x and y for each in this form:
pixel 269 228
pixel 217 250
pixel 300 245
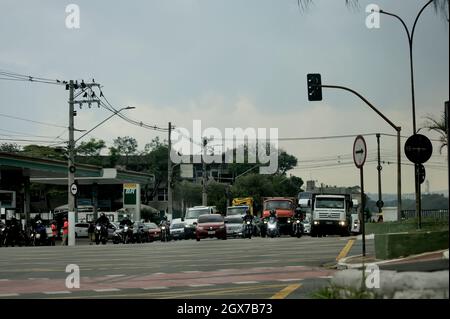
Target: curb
pixel 343 264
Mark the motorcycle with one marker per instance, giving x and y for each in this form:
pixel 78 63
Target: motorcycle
pixel 127 234
pixel 272 228
pixel 263 231
pixel 101 234
pixel 164 232
pixel 38 236
pixel 297 228
pixel 248 229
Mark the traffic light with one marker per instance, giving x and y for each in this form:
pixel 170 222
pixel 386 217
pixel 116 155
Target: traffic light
pixel 314 87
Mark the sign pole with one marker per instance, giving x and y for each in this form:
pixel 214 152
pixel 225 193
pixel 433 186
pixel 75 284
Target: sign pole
pixel 363 214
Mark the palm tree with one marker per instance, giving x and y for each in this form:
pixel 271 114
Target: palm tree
pixel 441 6
pixel 438 126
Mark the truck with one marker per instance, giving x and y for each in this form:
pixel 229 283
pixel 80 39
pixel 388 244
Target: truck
pixel 332 214
pixel 285 211
pixel 239 206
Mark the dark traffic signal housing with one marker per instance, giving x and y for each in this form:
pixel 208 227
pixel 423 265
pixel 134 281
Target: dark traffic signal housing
pixel 314 87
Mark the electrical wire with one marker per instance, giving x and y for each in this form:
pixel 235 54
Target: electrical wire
pixel 31 121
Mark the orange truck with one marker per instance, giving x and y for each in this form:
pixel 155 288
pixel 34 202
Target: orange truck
pixel 284 208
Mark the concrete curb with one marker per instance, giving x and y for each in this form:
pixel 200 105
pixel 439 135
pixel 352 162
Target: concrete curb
pixel 343 264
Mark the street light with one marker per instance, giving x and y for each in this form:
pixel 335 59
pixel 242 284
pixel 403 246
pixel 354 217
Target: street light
pixel 413 98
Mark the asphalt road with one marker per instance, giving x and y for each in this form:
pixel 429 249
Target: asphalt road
pixel 259 268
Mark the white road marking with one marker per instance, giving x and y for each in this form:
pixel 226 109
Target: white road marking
pixel 112 276
pixel 290 279
pixel 4 279
pixel 245 282
pixel 57 292
pixel 159 273
pixel 106 290
pixel 38 278
pixel 8 295
pixel 154 288
pixel 191 272
pixel 200 285
pixel 325 277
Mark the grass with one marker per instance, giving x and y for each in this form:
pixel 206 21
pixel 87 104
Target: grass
pixel 409 225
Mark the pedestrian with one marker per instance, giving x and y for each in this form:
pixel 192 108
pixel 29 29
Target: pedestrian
pixel 91 233
pixel 54 233
pixel 65 232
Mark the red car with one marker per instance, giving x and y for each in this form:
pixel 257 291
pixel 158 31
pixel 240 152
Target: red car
pixel 154 232
pixel 210 226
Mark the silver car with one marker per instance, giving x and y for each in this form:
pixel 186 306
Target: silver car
pixel 177 229
pixel 234 226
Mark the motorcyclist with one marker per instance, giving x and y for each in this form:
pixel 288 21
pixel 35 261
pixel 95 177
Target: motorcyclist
pixel 14 230
pixel 248 216
pixel 273 215
pixel 41 230
pixel 126 221
pixel 103 220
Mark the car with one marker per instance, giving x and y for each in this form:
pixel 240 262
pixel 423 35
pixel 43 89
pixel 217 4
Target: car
pixel 81 229
pixel 191 218
pixel 177 229
pixel 111 229
pixel 210 226
pixel 234 225
pixel 154 232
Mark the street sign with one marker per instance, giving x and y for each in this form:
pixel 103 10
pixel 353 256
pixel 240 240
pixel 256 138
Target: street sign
pixel 380 203
pixel 72 169
pixel 418 148
pixel 359 151
pixel 74 189
pixel 422 174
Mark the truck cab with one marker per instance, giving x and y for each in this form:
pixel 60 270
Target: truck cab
pixel 284 208
pixel 331 214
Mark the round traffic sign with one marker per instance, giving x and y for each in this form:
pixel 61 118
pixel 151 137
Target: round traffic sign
pixel 380 203
pixel 73 189
pixel 359 151
pixel 72 169
pixel 418 148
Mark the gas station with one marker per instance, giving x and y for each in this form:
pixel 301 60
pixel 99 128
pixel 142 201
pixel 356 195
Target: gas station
pixel 18 172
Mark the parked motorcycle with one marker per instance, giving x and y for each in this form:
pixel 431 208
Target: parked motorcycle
pixel 101 234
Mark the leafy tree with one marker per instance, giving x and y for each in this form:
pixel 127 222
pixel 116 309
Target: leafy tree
pixel 286 162
pixel 125 146
pixel 188 192
pixel 217 196
pixel 91 148
pixel 39 151
pixel 254 185
pixel 438 126
pixel 9 148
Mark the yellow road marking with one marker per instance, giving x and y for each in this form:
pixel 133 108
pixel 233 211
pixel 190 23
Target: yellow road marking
pixel 286 291
pixel 346 249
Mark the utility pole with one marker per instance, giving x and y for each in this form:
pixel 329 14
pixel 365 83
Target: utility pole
pixel 71 167
pixel 204 180
pixel 399 176
pixel 72 190
pixel 447 127
pixel 379 168
pixel 169 176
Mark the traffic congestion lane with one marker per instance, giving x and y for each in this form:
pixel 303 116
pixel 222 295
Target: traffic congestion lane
pixel 187 263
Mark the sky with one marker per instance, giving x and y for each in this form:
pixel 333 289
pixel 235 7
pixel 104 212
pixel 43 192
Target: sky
pixel 231 64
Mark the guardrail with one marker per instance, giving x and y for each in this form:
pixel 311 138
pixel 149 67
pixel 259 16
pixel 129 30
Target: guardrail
pixel 431 213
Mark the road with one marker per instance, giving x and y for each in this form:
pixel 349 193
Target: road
pixel 233 269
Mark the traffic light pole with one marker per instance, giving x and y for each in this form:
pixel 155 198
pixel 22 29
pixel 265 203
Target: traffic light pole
pixel 169 175
pixel 204 179
pixel 396 128
pixel 379 168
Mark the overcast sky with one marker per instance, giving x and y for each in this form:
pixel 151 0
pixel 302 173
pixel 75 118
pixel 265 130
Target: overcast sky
pixel 233 64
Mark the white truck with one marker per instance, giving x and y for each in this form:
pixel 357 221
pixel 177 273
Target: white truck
pixel 331 214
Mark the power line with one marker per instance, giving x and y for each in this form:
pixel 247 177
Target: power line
pixel 31 121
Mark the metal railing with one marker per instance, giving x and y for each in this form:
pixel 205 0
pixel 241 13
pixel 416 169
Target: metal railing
pixel 426 213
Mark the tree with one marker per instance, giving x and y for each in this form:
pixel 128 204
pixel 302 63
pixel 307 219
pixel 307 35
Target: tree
pixel 157 161
pixel 286 162
pixel 9 148
pixel 125 146
pixel 217 196
pixel 91 148
pixel 40 151
pixel 438 126
pixel 256 186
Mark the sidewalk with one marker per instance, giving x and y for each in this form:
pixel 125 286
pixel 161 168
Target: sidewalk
pixel 358 261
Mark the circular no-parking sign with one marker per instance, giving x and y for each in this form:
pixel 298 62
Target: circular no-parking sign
pixel 359 151
pixel 73 189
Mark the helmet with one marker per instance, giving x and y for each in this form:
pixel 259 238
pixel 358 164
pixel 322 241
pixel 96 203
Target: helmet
pixel 102 215
pixel 247 212
pixel 125 216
